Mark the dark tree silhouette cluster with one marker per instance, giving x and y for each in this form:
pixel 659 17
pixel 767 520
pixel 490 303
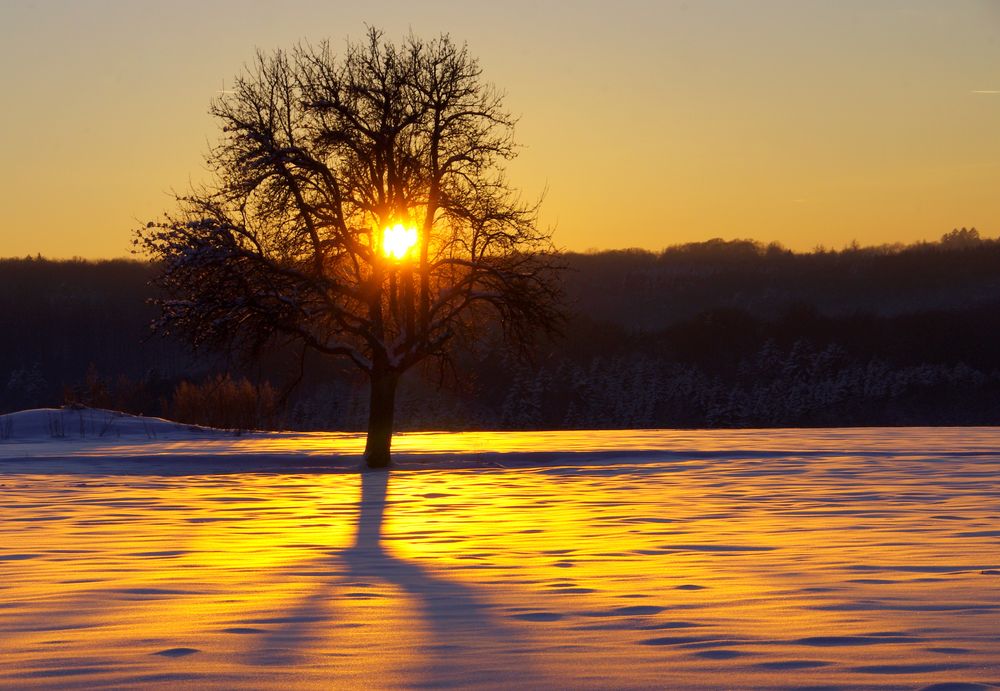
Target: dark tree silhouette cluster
pixel 712 334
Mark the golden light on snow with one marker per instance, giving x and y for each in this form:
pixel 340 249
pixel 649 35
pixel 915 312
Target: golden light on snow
pixel 398 240
pixel 726 557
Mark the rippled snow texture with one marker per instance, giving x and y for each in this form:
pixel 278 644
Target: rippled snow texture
pixel 847 559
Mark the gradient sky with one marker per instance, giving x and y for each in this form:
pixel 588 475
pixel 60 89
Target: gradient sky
pixel 650 123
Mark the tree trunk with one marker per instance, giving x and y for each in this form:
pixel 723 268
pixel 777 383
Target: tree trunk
pixel 380 416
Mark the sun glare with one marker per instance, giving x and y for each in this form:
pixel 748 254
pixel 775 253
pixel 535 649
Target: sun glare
pixel 398 240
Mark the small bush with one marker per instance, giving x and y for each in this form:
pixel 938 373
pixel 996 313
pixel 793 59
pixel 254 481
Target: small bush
pixel 226 403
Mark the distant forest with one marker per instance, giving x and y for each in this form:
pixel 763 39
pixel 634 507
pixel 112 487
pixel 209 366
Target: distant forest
pixel 711 334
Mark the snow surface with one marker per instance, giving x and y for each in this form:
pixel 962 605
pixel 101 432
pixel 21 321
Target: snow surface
pixel 849 559
pixel 93 440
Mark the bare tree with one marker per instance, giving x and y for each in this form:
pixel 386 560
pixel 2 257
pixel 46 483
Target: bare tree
pixel 358 207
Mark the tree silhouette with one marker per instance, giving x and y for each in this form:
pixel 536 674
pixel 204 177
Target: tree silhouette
pixel 358 208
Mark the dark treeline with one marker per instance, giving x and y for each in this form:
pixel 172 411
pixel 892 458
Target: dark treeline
pixel 65 322
pixel 717 334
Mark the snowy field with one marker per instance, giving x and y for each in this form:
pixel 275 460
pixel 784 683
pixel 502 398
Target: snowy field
pixel 142 553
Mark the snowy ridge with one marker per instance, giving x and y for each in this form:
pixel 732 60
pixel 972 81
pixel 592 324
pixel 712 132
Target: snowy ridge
pixel 70 422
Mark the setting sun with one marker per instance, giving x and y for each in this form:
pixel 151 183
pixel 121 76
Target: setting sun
pixel 398 240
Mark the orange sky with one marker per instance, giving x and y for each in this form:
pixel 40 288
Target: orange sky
pixel 650 123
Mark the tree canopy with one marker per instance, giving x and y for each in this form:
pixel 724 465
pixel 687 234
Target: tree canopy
pixel 358 207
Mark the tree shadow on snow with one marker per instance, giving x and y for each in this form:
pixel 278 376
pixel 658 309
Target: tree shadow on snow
pixel 457 637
